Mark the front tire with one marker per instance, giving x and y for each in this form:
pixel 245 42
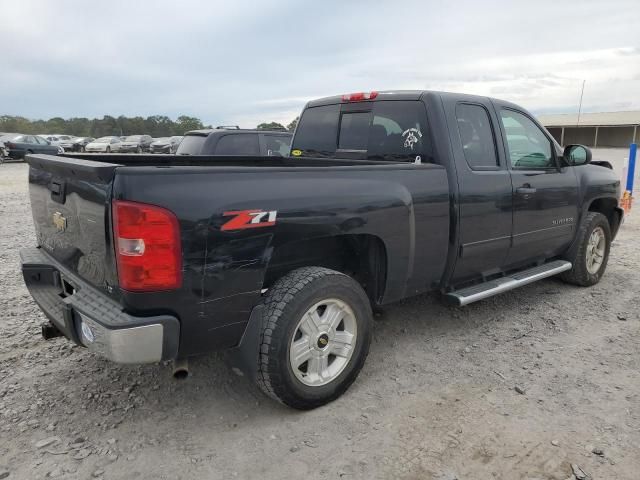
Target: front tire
pixel 590 257
pixel 316 332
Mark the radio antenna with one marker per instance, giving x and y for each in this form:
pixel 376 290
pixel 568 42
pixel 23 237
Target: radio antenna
pixel 580 105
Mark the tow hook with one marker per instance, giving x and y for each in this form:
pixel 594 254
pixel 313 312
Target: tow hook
pixel 50 331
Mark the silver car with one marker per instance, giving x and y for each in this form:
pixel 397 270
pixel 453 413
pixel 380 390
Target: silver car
pixel 104 145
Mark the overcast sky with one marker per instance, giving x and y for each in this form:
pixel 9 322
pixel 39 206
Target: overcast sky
pixel 237 62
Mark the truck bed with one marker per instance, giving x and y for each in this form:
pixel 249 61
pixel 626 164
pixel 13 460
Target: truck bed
pixel 318 213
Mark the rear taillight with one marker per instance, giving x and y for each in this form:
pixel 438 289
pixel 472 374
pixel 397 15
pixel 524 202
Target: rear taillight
pixel 147 243
pixel 10 145
pixel 359 97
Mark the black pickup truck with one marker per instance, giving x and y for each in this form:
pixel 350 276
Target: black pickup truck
pixel 144 258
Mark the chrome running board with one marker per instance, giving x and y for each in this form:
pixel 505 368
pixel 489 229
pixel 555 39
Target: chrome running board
pixel 488 289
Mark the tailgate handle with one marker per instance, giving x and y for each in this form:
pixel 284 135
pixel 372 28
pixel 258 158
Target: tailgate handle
pixel 57 191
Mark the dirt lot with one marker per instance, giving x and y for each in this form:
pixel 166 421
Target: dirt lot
pixel 436 399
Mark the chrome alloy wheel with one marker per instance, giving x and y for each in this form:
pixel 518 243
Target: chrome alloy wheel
pixel 323 342
pixel 595 250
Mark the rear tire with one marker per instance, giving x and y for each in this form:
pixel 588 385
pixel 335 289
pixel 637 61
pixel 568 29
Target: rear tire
pixel 590 257
pixel 324 314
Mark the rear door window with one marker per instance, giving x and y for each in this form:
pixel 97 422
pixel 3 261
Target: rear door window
pixel 476 136
pixel 191 145
pixel 242 144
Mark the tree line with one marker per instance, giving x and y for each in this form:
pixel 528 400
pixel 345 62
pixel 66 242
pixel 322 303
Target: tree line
pixel 155 125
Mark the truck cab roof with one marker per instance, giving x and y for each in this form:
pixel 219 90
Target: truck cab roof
pixel 397 95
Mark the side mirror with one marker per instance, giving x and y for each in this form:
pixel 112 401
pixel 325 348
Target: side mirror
pixel 576 155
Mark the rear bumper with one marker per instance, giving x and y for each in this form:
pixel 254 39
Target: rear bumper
pixel 89 318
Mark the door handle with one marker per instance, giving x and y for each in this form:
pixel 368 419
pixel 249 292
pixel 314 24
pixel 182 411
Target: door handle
pixel 528 190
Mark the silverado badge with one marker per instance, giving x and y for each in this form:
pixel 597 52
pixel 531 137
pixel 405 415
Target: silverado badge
pixel 60 222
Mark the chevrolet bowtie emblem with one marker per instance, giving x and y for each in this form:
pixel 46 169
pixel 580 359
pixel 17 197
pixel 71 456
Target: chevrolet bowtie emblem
pixel 60 222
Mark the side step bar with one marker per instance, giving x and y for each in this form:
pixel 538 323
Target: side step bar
pixel 493 287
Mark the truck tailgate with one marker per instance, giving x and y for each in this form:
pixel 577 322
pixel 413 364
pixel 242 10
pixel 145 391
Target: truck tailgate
pixel 70 201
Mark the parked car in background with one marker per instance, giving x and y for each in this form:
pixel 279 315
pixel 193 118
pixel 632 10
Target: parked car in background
pixel 17 146
pixel 104 145
pixel 3 151
pixel 136 143
pixel 76 144
pixel 165 144
pixel 226 141
pixel 57 139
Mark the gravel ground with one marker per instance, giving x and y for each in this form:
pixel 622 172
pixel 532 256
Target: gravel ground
pixel 518 386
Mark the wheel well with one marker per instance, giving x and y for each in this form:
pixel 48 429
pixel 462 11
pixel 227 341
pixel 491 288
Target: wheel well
pixel 362 257
pixel 607 207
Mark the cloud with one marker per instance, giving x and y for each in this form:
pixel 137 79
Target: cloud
pixel 248 62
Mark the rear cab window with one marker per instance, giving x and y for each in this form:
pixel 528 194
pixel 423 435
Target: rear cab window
pixel 317 131
pixel 386 130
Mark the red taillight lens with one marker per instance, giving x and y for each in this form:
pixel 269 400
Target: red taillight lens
pixel 147 243
pixel 359 97
pixel 10 145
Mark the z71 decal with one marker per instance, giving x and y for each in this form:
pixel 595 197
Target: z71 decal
pixel 243 219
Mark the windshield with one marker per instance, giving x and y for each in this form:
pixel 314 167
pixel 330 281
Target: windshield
pixel 103 140
pixel 191 145
pixel 161 140
pixel 133 138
